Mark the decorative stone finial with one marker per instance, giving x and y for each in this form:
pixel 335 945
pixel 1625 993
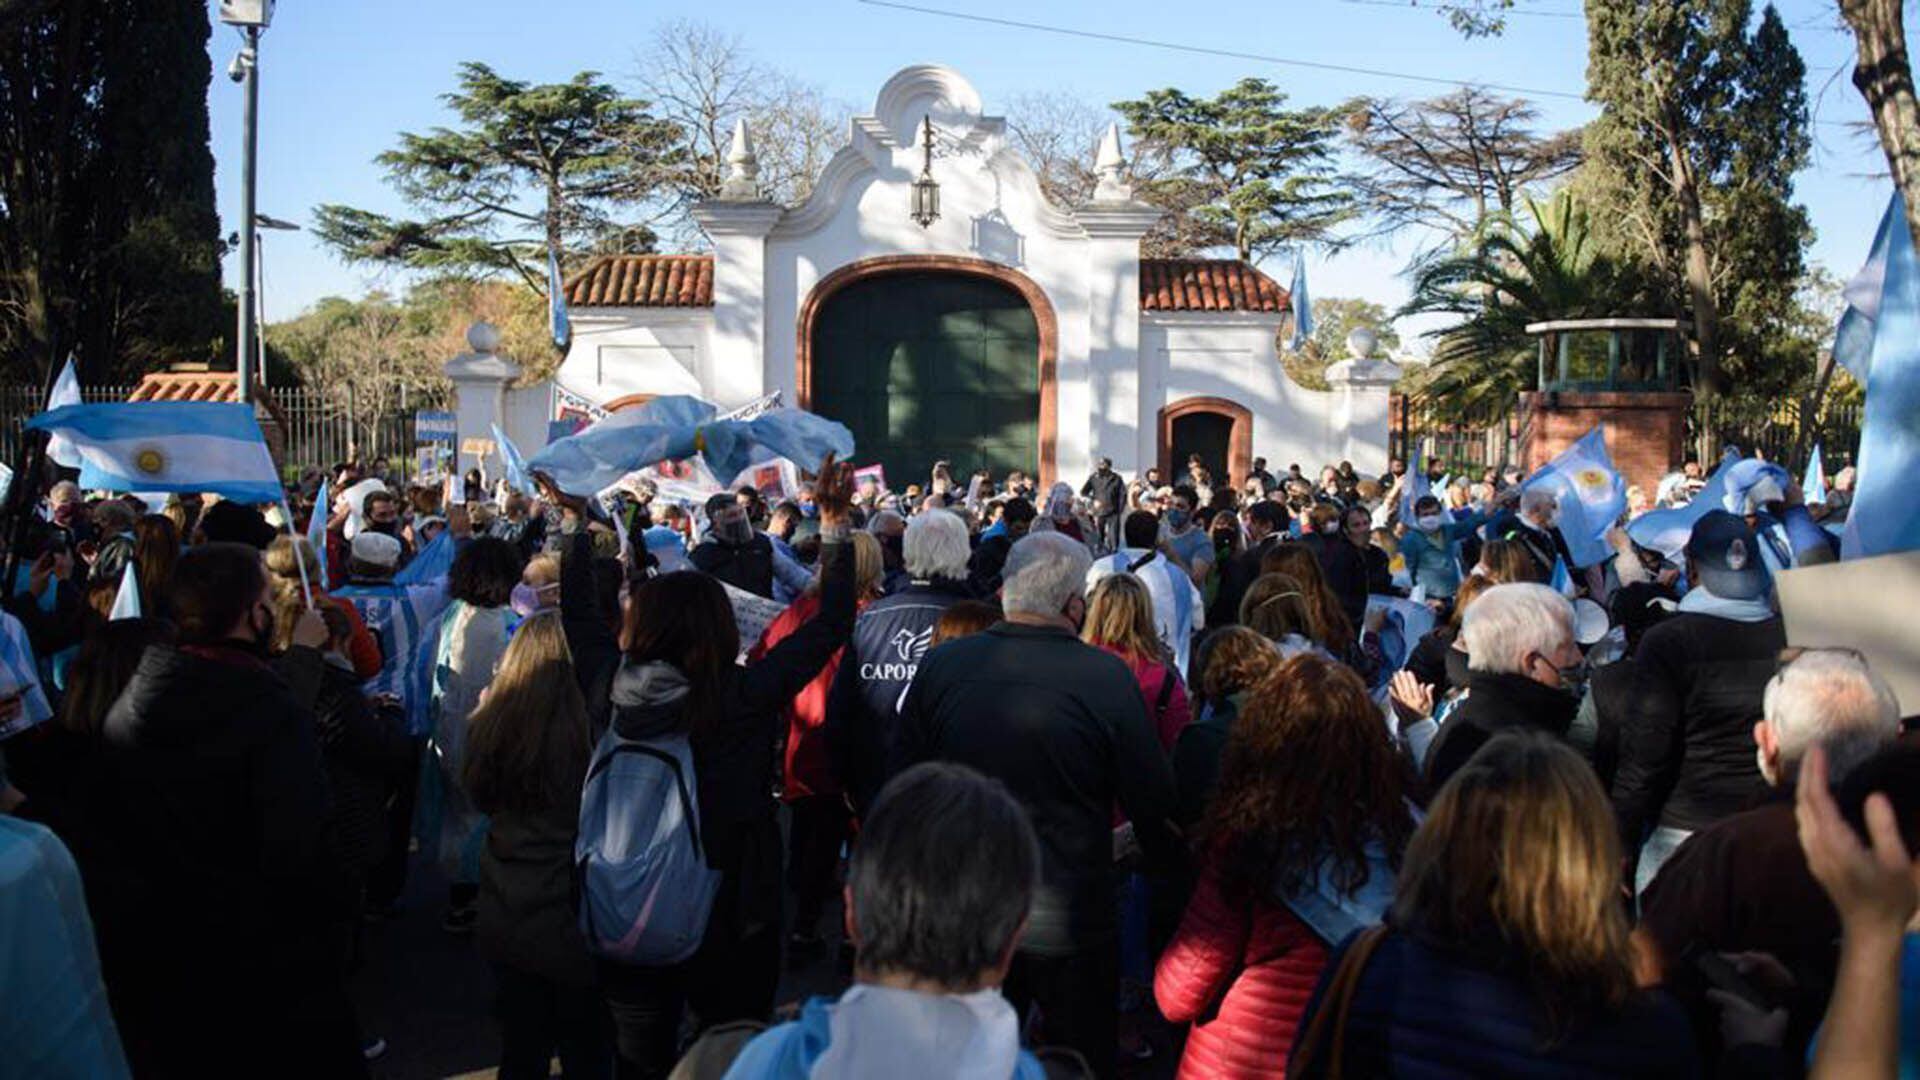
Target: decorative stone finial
pixel 1111 164
pixel 743 167
pixel 483 338
pixel 1361 341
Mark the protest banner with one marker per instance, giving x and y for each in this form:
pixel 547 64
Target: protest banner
pixel 752 613
pixel 1859 604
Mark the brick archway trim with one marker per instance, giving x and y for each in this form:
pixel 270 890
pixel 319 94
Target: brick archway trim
pixel 1239 436
pixel 1047 323
pixel 628 402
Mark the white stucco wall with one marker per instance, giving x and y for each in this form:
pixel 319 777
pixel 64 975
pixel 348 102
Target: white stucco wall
pixel 1115 367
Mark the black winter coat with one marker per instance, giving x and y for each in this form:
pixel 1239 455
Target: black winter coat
pixel 1686 737
pixel 1496 702
pixel 1065 727
pixel 215 799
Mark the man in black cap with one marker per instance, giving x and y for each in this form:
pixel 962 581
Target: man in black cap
pixel 1686 741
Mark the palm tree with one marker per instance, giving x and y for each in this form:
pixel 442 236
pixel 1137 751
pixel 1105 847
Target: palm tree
pixel 1512 273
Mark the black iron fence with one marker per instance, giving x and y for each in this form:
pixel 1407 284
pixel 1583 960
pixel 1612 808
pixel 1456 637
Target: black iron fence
pixel 1774 429
pixel 309 429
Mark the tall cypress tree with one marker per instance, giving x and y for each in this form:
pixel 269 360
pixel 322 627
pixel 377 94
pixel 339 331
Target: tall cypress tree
pixel 1703 125
pixel 109 240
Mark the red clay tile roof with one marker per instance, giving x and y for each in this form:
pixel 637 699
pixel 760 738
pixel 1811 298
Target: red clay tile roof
pixel 186 386
pixel 1207 285
pixel 687 281
pixel 643 281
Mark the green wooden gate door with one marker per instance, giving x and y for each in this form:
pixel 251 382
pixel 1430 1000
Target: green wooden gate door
pixel 927 366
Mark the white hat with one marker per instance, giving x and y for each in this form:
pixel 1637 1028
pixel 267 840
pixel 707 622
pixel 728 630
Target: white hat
pixel 355 499
pixel 376 549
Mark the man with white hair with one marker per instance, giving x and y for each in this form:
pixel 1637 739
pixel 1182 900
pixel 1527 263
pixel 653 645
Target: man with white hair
pixel 1524 673
pixel 889 638
pixel 1536 529
pixel 1063 726
pixel 1741 885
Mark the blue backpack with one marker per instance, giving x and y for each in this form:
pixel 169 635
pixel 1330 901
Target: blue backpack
pixel 644 884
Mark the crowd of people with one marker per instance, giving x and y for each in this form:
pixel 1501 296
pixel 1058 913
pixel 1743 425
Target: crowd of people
pixel 1289 776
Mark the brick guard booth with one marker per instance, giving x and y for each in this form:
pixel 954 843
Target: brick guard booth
pixel 1616 372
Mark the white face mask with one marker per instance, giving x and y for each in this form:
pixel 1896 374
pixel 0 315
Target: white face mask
pixel 1427 522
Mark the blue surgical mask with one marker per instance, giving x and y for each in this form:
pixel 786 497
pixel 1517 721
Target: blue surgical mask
pixel 1178 518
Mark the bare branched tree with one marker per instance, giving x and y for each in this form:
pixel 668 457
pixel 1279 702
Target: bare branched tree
pixel 1447 162
pixel 703 80
pixel 1058 134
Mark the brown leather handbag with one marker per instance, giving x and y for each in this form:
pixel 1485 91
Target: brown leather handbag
pixel 1326 1038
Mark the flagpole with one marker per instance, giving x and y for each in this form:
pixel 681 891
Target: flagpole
pixel 299 560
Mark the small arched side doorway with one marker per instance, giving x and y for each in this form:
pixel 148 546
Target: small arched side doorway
pixel 1218 430
pixel 931 357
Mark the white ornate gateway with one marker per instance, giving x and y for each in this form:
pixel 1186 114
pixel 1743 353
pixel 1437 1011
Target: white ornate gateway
pixel 1006 331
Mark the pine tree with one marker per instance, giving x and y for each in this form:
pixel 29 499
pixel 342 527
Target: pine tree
pixel 1703 125
pixel 109 240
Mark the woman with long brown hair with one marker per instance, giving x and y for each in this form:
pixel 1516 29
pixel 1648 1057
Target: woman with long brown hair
pixel 1297 846
pixel 1506 949
pixel 527 747
pixel 1237 659
pixel 156 547
pixel 1332 630
pixel 1120 621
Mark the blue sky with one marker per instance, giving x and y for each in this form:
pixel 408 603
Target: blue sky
pixel 341 78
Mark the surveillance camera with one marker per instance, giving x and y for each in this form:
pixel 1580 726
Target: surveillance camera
pixel 237 71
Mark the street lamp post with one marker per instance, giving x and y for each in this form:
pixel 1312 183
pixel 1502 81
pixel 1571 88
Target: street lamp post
pixel 250 17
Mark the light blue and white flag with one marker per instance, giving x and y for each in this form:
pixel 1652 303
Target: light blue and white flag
pixel 1853 338
pixel 557 322
pixel 1591 495
pixel 66 391
pixel 1562 580
pixel 126 602
pixel 1885 517
pixel 515 465
pixel 678 427
pixel 431 564
pixel 1666 531
pixel 1302 308
pixel 1814 487
pixel 317 529
pixel 170 446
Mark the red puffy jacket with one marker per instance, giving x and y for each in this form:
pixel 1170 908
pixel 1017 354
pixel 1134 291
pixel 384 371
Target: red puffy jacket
pixel 1242 974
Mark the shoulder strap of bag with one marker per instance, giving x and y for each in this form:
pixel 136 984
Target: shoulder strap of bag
pixel 687 807
pixel 1166 695
pixel 1336 1003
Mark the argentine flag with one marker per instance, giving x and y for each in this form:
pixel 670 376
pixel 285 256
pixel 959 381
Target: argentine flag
pixel 1666 531
pixel 66 391
pixel 170 446
pixel 515 465
pixel 557 322
pixel 1814 487
pixel 126 602
pixel 317 530
pixel 1562 581
pixel 1885 518
pixel 1302 309
pixel 678 427
pixel 1591 496
pixel 1853 337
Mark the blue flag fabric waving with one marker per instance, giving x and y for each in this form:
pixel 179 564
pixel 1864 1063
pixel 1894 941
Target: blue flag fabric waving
pixel 431 564
pixel 317 531
pixel 171 446
pixel 66 391
pixel 558 324
pixel 1814 487
pixel 1591 494
pixel 1853 338
pixel 1666 531
pixel 1302 307
pixel 515 465
pixel 676 427
pixel 1886 517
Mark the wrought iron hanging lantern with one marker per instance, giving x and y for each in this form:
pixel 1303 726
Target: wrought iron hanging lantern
pixel 926 190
